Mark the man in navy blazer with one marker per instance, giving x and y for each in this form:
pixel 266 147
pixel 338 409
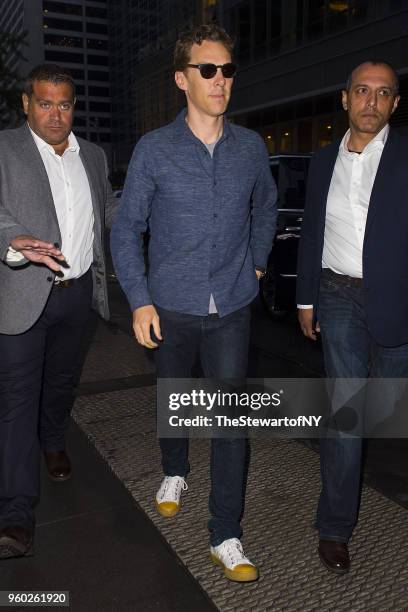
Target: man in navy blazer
pixel 352 278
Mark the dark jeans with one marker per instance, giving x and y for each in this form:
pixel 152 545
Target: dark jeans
pixel 36 382
pixel 350 352
pixel 222 346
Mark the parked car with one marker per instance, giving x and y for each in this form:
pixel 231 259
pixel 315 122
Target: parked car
pixel 278 286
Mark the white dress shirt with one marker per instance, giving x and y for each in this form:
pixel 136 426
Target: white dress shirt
pixel 347 206
pixel 73 204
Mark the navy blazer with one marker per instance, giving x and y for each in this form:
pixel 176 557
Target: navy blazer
pixel 385 248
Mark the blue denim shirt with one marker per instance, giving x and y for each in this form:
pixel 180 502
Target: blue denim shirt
pixel 211 220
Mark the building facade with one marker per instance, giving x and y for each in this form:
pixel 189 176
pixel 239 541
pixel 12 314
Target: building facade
pixel 294 57
pixel 73 33
pixel 143 33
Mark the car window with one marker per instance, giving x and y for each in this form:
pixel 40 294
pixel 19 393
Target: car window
pixel 290 174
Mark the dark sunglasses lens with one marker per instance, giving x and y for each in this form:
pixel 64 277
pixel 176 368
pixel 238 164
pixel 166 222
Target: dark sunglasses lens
pixel 208 71
pixel 229 70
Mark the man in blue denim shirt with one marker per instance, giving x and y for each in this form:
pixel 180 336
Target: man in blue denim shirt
pixel 205 189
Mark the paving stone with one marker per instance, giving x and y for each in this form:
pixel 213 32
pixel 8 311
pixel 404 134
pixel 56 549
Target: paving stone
pixel 114 354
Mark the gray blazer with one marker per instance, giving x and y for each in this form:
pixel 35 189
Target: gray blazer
pixel 27 207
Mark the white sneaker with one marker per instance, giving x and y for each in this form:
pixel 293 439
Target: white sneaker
pixel 168 496
pixel 230 556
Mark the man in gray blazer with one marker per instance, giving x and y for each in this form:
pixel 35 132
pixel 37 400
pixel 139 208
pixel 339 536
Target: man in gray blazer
pixel 55 198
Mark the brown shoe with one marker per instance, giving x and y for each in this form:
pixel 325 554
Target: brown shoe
pixel 58 465
pixel 15 541
pixel 334 555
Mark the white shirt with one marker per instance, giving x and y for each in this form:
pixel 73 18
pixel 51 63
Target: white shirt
pixel 73 204
pixel 347 206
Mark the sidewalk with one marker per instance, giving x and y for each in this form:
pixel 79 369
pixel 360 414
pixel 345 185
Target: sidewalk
pixel 100 537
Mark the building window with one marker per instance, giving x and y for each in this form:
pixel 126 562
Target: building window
pixel 96 75
pixel 77 74
pixel 270 139
pixel 260 21
pixel 305 136
pixel 315 19
pixel 98 60
pixel 100 137
pixel 96 28
pixel 78 120
pixel 359 11
pixel 325 131
pixel 61 7
pixel 61 56
pixel 98 91
pixel 275 26
pixel 93 11
pixel 62 24
pixel 62 41
pixel 99 106
pixel 244 31
pixel 337 15
pixel 96 43
pixel 285 138
pixel 104 122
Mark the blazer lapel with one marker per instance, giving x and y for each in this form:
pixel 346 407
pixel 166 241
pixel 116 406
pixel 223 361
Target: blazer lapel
pixel 94 180
pixel 382 178
pixel 326 169
pixel 31 158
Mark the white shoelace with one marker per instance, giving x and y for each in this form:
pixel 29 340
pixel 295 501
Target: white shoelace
pixel 171 488
pixel 231 553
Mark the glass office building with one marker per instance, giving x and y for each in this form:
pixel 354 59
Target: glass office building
pixel 73 33
pixel 294 58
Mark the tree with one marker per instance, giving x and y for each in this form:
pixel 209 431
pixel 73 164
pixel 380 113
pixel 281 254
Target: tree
pixel 11 45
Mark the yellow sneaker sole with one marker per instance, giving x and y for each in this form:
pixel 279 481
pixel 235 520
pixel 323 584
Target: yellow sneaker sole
pixel 167 509
pixel 241 573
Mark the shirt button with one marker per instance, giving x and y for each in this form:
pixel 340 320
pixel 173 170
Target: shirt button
pixel 214 246
pixel 49 279
pixel 215 215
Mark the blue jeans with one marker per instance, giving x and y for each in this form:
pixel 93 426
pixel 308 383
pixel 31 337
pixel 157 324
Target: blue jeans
pixel 222 346
pixel 350 352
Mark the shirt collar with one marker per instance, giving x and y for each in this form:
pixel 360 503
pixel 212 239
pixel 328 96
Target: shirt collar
pixel 377 142
pixel 73 144
pixel 182 130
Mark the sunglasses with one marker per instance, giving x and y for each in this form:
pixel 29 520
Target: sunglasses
pixel 208 71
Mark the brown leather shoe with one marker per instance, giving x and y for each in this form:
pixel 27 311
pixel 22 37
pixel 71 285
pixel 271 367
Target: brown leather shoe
pixel 58 465
pixel 334 555
pixel 15 541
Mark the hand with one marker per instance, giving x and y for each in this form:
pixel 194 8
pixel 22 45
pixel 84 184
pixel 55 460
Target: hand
pixel 259 274
pixel 143 318
pixel 38 251
pixel 305 316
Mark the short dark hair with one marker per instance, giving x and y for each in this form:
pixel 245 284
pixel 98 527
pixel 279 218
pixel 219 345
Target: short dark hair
pixel 374 62
pixel 52 73
pixel 196 36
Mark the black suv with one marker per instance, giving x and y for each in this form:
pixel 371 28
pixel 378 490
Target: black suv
pixel 279 284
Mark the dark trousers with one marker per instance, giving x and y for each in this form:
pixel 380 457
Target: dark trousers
pixel 37 369
pixel 351 352
pixel 222 345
